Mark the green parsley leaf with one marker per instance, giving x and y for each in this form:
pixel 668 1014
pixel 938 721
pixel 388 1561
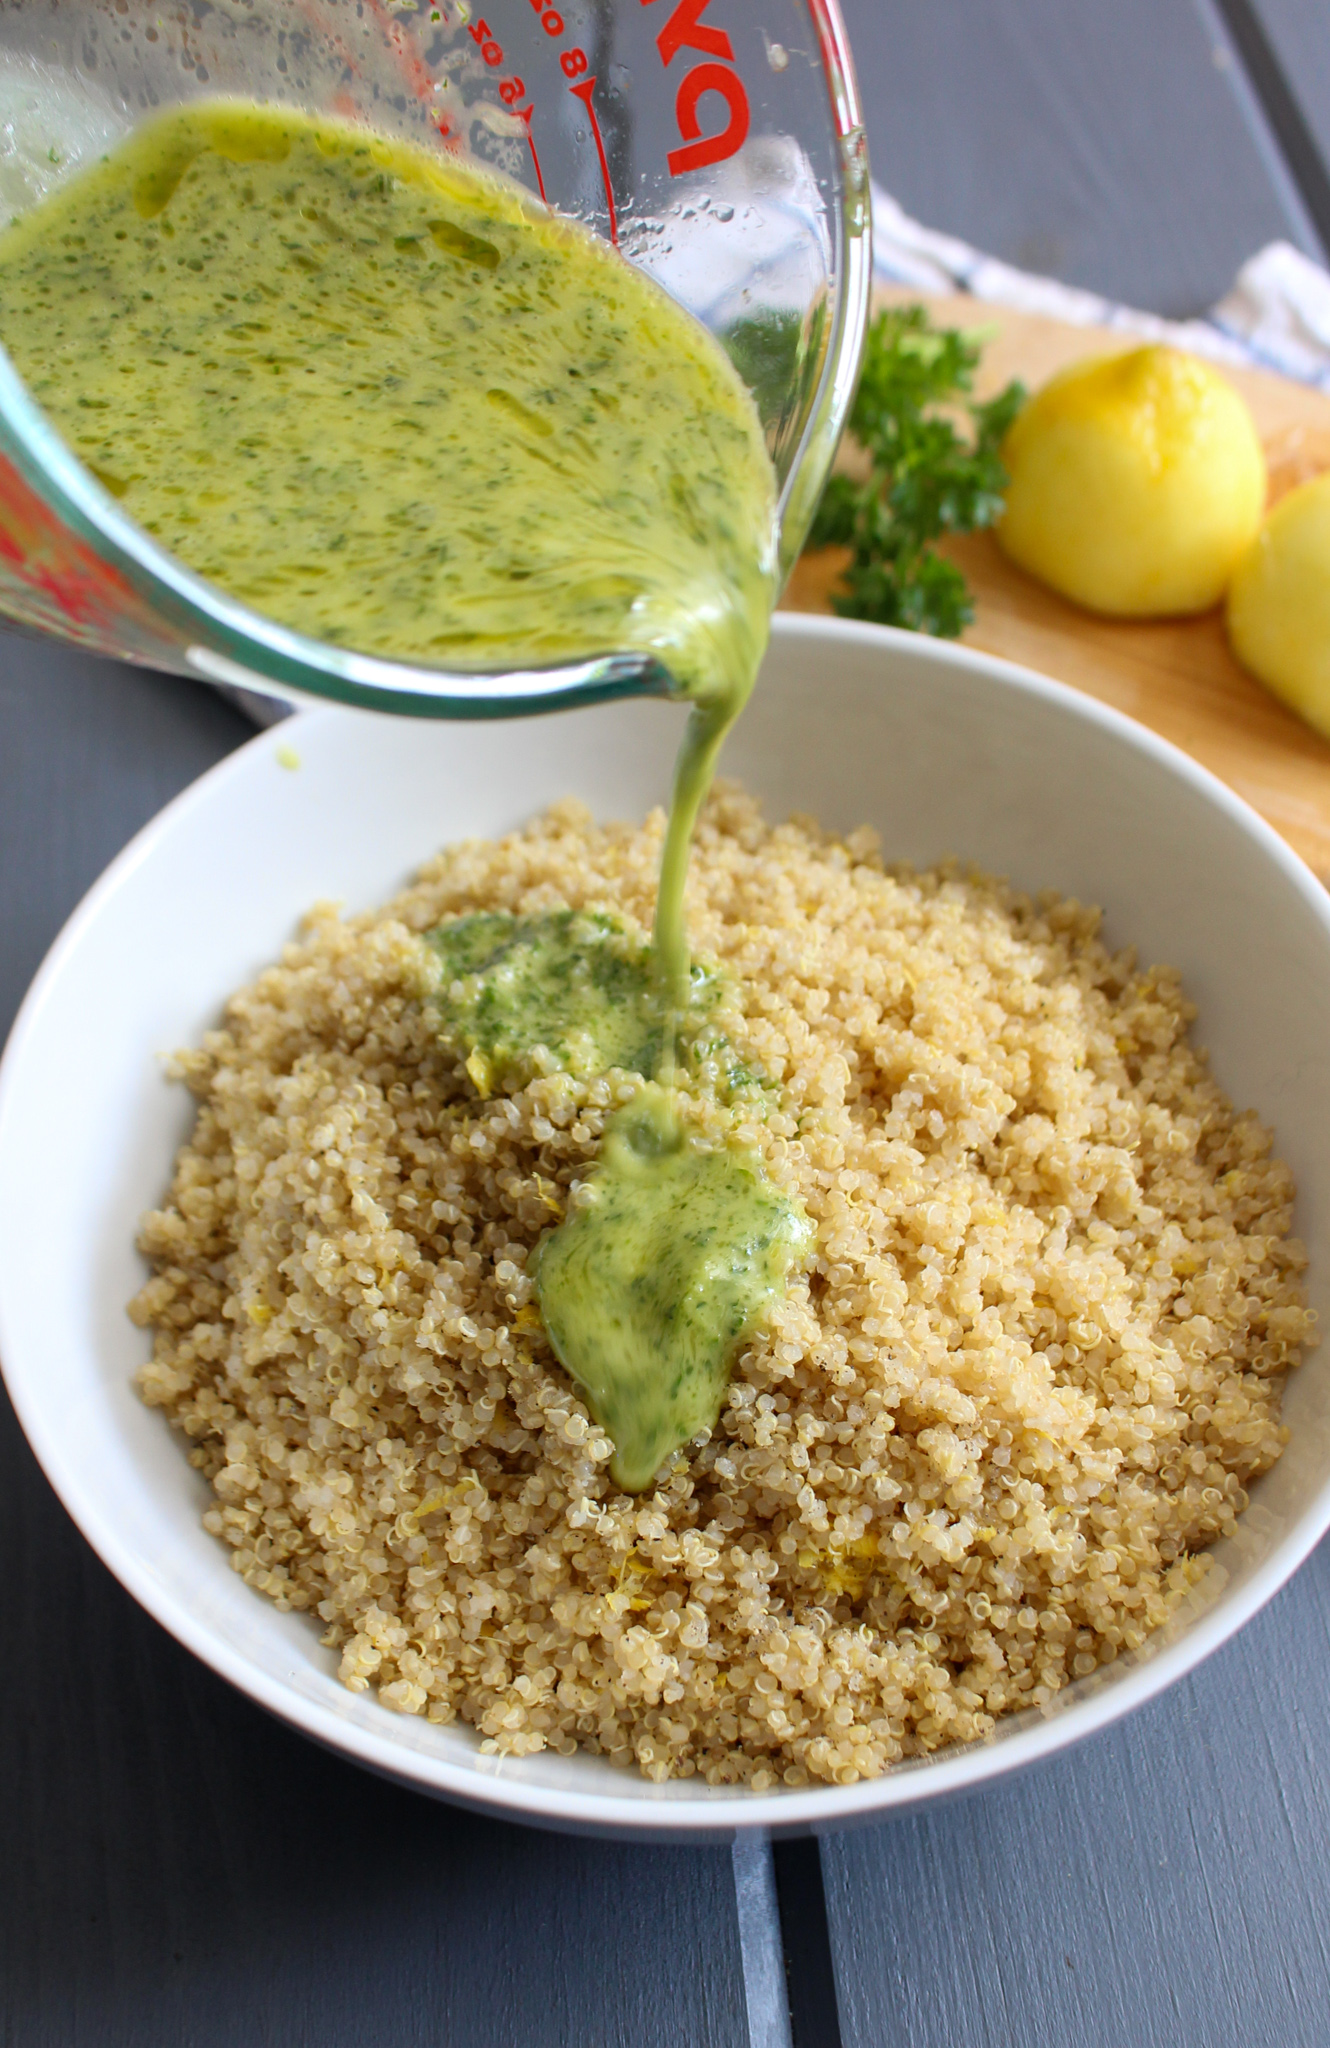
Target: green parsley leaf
pixel 935 469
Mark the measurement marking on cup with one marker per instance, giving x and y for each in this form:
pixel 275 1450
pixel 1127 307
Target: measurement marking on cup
pixel 584 92
pixel 531 144
pixel 481 34
pixel 573 63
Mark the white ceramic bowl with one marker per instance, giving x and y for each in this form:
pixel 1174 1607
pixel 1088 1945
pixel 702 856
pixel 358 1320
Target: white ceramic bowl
pixel 945 752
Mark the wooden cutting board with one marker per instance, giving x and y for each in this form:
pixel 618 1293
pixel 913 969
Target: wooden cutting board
pixel 1175 675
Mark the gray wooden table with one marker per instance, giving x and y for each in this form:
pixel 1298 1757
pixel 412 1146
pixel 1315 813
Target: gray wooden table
pixel 176 1871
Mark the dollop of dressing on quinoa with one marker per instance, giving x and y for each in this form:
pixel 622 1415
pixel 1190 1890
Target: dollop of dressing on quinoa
pixel 395 405
pixel 672 1251
pixel 571 985
pixel 648 1288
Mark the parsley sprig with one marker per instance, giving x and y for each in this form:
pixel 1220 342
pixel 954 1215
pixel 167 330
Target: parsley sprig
pixel 935 469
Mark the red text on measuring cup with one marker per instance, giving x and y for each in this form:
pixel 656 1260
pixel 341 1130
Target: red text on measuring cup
pixel 686 30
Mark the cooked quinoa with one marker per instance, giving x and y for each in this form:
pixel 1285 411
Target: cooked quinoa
pixel 978 1451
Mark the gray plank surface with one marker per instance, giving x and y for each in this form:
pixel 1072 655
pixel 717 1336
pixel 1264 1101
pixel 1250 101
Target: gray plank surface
pixel 1110 143
pixel 1298 32
pixel 1163 1884
pixel 1285 46
pixel 177 1871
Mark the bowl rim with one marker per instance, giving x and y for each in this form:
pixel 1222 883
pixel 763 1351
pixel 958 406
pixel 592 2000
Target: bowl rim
pixel 715 1815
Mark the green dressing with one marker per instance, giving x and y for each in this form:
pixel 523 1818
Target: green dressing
pixel 649 1286
pixel 399 407
pixel 571 985
pixel 573 992
pixel 394 404
pixel 672 1251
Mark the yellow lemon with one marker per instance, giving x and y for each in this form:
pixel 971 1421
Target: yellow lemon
pixel 1279 603
pixel 1137 481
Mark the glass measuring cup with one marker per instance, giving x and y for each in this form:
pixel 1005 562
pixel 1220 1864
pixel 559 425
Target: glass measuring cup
pixel 717 142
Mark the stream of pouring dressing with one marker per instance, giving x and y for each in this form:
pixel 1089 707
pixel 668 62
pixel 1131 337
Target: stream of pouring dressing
pixel 394 404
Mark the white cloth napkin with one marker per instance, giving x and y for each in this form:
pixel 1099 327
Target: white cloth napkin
pixel 1275 316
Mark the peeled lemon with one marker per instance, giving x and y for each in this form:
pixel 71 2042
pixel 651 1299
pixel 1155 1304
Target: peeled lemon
pixel 1279 603
pixel 1137 482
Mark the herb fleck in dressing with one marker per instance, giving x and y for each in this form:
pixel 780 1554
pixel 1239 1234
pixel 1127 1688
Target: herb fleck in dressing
pixel 671 1251
pixel 648 1288
pixel 571 984
pixel 397 406
pixel 392 403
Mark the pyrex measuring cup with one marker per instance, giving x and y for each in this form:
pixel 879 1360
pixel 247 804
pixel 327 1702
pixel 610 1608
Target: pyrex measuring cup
pixel 717 142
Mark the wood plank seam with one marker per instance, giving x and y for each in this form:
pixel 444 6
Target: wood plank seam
pixel 1255 117
pixel 810 1969
pixel 1287 122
